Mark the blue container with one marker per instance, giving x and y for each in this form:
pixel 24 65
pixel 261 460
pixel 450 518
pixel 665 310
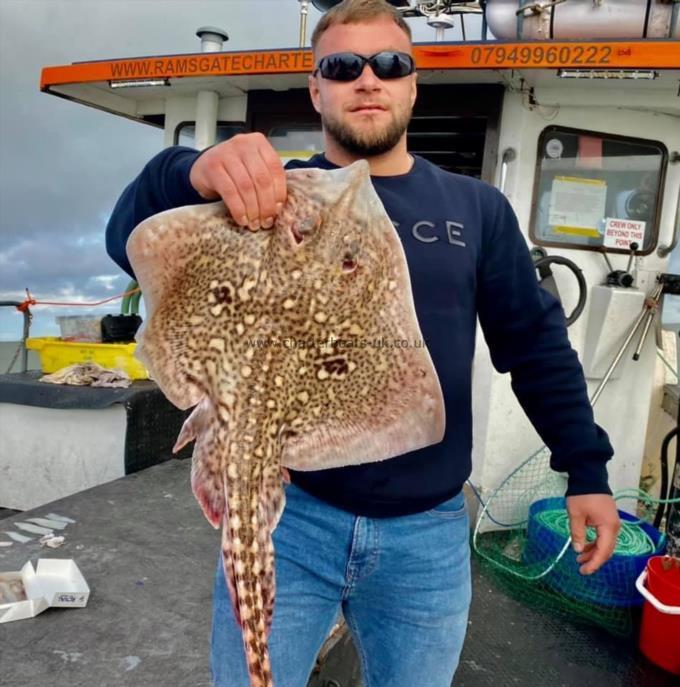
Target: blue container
pixel 612 585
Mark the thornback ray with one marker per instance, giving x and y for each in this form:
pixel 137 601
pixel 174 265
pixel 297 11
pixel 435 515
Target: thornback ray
pixel 298 346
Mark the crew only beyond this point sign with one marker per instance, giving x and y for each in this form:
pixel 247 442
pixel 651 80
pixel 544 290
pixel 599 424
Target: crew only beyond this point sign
pixel 620 233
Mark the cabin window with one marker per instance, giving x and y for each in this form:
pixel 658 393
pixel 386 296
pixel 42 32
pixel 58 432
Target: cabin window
pixel 185 133
pixel 297 142
pixel 595 191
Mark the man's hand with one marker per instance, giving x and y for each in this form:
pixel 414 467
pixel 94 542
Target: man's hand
pixel 247 174
pixel 598 511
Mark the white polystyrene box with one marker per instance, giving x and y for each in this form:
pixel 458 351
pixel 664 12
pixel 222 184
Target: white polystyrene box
pixel 55 583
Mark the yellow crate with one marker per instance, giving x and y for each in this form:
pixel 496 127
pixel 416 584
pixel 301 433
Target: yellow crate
pixel 55 354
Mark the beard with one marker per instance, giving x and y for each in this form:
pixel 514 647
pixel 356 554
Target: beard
pixel 368 142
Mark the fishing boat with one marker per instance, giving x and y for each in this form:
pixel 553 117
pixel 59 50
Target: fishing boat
pixel 571 108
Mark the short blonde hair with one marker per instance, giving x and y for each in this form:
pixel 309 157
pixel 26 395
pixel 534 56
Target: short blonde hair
pixel 356 12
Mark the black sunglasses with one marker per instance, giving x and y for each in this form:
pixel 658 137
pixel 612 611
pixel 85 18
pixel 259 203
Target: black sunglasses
pixel 347 66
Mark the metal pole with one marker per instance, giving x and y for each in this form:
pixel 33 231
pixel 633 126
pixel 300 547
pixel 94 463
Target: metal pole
pixel 27 324
pixel 650 303
pixel 24 350
pixel 648 323
pixel 509 156
pixel 304 11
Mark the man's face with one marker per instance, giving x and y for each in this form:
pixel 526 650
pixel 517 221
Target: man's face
pixel 367 116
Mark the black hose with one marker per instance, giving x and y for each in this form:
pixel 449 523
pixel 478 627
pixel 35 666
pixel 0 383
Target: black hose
pixel 482 4
pixel 673 494
pixel 647 12
pixel 663 495
pixel 673 509
pixel 673 515
pixel 552 22
pixel 582 288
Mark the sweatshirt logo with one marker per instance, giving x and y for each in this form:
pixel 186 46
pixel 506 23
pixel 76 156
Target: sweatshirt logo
pixel 428 232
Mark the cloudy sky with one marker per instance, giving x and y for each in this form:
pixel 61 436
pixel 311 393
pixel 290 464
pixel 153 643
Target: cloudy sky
pixel 63 165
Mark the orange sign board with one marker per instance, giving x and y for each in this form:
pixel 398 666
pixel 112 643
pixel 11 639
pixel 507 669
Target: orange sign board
pixel 662 54
pixel 552 55
pixel 177 66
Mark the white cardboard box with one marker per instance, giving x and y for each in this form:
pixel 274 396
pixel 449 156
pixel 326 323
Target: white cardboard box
pixel 55 582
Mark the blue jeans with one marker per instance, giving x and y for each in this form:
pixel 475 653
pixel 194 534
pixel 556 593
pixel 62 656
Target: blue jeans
pixel 402 584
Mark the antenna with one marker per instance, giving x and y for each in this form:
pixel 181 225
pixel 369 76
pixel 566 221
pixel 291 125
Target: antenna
pixel 440 14
pixel 440 22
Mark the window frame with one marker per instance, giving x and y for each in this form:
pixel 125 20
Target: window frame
pixel 540 147
pixel 192 122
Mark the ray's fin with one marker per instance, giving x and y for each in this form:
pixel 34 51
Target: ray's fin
pixel 411 416
pixel 204 426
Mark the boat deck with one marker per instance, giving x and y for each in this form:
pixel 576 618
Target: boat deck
pixel 148 554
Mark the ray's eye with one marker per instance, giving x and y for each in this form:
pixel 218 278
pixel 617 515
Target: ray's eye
pixel 303 228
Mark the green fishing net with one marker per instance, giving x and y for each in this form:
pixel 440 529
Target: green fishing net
pixel 522 540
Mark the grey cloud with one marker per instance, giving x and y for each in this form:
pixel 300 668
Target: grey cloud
pixel 61 272
pixel 41 263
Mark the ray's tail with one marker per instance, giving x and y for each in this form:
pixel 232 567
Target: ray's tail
pixel 246 497
pixel 248 558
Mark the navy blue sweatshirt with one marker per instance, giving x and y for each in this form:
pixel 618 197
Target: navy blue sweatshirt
pixel 467 259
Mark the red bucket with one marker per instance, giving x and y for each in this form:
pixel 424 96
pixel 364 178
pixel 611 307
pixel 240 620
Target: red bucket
pixel 660 630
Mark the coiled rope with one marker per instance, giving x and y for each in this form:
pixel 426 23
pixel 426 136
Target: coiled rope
pixel 632 540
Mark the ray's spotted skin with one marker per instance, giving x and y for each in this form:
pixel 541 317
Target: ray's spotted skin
pixel 298 346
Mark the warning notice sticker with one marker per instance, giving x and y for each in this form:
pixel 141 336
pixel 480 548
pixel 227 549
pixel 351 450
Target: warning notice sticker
pixel 620 233
pixel 577 202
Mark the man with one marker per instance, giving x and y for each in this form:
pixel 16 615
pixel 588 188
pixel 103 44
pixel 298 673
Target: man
pixel 388 543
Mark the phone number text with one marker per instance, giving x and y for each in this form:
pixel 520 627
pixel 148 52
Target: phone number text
pixel 566 54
